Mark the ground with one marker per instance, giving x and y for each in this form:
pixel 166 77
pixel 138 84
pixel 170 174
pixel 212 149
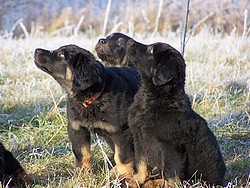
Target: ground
pixel 33 119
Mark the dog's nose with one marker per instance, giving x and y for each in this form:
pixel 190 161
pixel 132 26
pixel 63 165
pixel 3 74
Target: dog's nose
pixel 102 41
pixel 38 51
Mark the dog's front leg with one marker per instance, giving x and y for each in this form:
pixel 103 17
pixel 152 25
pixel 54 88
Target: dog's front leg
pixel 141 167
pixel 80 139
pixel 124 155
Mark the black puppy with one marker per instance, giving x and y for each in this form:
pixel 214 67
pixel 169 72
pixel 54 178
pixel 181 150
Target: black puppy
pixel 12 173
pixel 112 50
pixel 98 101
pixel 167 133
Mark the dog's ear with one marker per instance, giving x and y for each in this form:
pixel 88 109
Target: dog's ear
pixel 87 72
pixel 165 70
pixel 79 59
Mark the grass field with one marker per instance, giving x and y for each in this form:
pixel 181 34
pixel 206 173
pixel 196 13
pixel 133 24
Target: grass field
pixel 33 119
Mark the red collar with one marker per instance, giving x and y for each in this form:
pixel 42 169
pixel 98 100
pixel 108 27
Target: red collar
pixel 89 101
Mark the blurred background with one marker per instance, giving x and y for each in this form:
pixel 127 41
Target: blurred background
pixel 32 105
pixel 50 17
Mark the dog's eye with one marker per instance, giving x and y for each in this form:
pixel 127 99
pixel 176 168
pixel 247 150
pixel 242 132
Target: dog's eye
pixel 109 36
pixel 150 50
pixel 60 54
pixel 120 42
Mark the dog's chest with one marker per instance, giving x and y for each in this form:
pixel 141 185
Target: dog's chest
pixel 92 119
pixel 92 125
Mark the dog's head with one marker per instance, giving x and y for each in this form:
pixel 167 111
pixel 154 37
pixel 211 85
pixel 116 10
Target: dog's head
pixel 73 67
pixel 112 49
pixel 159 63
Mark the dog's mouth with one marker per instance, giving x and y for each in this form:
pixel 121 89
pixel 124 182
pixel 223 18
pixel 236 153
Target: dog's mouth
pixel 42 66
pixel 46 69
pixel 41 61
pixel 99 48
pixel 102 50
pixel 103 53
pixel 102 56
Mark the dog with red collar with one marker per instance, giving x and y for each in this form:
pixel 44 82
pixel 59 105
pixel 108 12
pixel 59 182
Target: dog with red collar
pixel 98 99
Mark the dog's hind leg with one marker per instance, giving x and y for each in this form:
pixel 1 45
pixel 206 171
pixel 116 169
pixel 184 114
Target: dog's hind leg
pixel 174 163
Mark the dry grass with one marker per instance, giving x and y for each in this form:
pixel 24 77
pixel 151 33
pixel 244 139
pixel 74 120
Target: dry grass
pixel 32 105
pixel 33 121
pixel 144 17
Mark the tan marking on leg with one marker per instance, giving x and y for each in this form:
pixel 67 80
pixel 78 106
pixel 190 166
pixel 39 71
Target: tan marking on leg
pixel 142 173
pixel 173 182
pixel 154 183
pixel 86 162
pixel 116 156
pixel 123 170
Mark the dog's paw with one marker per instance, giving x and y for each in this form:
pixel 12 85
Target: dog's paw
pixel 132 183
pixel 137 180
pixel 123 170
pixel 154 183
pixel 85 165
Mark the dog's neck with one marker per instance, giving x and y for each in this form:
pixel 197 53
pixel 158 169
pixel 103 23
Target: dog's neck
pixel 163 98
pixel 168 89
pixel 165 92
pixel 66 85
pixel 92 99
pixel 89 95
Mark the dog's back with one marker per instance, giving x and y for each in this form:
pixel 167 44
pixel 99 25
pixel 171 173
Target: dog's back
pixel 130 76
pixel 204 156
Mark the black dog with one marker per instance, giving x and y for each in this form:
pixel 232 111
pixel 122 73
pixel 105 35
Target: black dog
pixel 167 133
pixel 12 173
pixel 112 50
pixel 98 101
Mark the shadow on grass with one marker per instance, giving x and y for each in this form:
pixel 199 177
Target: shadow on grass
pixel 54 163
pixel 237 159
pixel 233 135
pixel 61 172
pixel 20 114
pixel 49 163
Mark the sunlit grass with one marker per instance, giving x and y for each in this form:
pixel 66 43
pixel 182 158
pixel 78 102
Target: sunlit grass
pixel 33 109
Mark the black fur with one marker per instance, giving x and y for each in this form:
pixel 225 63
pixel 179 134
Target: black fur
pixel 12 173
pixel 112 50
pixel 82 76
pixel 167 133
